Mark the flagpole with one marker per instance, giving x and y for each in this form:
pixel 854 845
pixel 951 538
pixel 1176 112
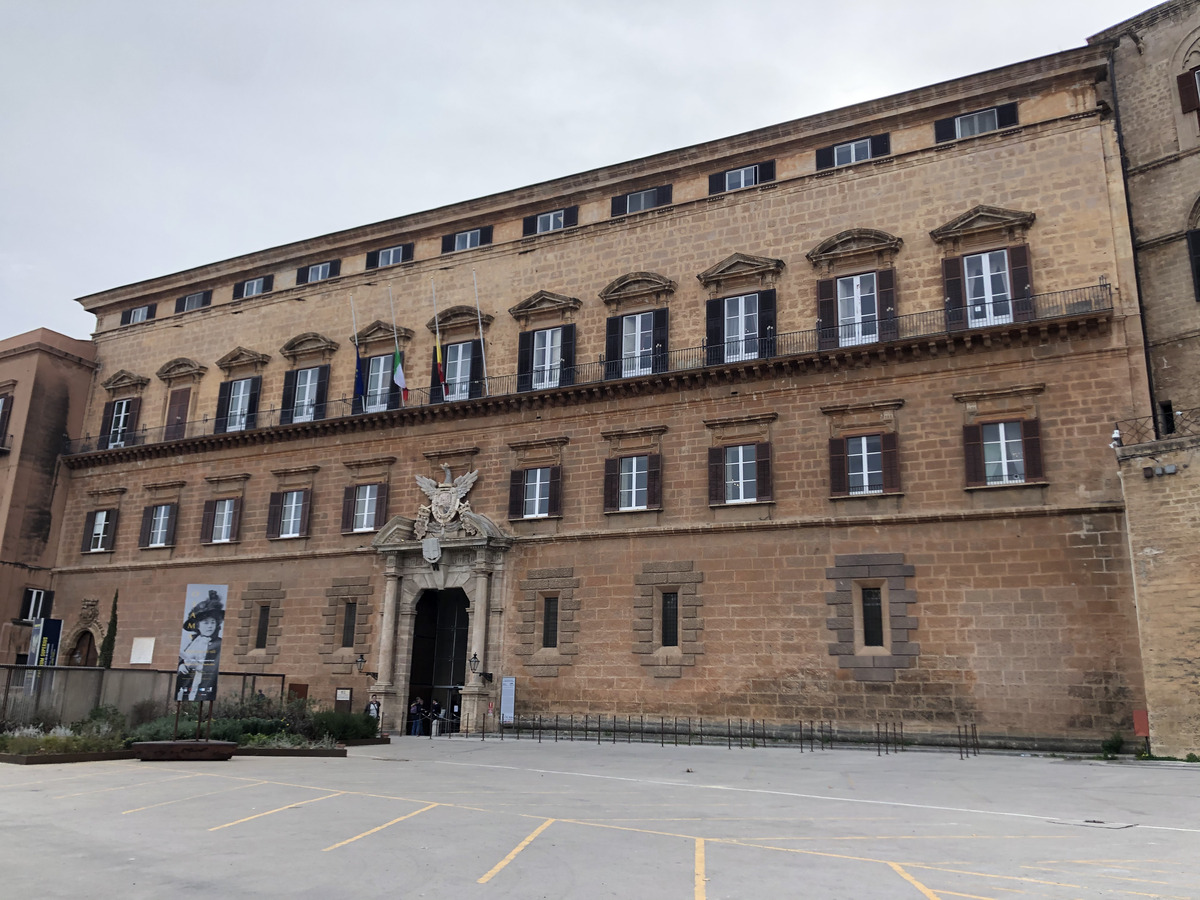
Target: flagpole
pixel 401 382
pixel 357 358
pixel 437 336
pixel 482 349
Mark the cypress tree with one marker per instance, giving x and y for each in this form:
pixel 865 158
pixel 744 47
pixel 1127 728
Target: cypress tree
pixel 110 636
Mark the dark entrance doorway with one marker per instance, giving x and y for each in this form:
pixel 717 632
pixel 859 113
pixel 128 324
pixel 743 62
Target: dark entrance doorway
pixel 439 655
pixel 84 653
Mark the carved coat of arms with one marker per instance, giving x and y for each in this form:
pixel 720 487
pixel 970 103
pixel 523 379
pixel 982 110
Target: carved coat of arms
pixel 446 504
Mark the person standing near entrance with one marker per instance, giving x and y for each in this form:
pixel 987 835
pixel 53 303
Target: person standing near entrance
pixel 435 717
pixel 415 712
pixel 375 711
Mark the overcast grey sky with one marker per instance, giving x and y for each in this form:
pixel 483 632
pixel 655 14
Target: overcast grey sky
pixel 141 137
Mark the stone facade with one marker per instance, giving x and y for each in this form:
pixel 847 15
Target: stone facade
pixel 1151 53
pixel 44 383
pixel 1155 59
pixel 1162 482
pixel 708 594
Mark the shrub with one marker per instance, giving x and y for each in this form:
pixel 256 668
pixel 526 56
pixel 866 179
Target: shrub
pixel 146 711
pixel 103 720
pixel 1110 747
pixel 1192 757
pixel 344 726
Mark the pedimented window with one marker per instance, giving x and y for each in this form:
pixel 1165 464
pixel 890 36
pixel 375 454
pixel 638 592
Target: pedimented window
pixel 741 271
pixel 645 289
pixel 545 307
pixel 307 347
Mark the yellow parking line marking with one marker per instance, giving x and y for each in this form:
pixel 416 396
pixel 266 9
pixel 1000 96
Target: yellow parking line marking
pixel 123 787
pixel 1103 875
pixel 381 827
pixel 236 787
pixel 700 879
pixel 971 896
pixel 989 875
pixel 271 812
pixel 899 870
pixel 521 846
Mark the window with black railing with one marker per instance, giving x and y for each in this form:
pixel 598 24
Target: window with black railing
pixel 850 336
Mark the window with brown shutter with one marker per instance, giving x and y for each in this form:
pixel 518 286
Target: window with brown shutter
pixel 1189 94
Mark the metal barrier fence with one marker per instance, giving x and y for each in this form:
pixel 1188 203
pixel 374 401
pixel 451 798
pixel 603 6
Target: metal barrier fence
pixel 69 693
pixel 817 734
pixel 771 345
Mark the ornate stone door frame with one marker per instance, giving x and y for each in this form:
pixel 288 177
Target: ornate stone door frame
pixel 475 563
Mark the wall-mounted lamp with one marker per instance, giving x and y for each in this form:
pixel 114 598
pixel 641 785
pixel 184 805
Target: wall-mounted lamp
pixel 473 662
pixel 361 663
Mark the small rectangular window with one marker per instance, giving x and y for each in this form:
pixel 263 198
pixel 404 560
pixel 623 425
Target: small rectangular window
pixel 642 200
pixel 192 301
pixel 740 474
pixel 537 493
pixel 466 240
pixel 391 256
pixel 634 483
pixel 1003 454
pixel 99 540
pixel 139 314
pixel 670 619
pixel 747 176
pixel 319 272
pixel 264 621
pixel 851 152
pixel 349 624
pixel 36 604
pixel 222 531
pixel 976 123
pixel 253 287
pixel 159 521
pixel 550 622
pixel 864 464
pixel 366 498
pixel 293 506
pixel 872 616
pixel 551 221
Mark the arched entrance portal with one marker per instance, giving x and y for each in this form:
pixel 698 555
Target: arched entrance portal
pixel 84 653
pixel 439 651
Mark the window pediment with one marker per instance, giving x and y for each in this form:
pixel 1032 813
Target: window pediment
pixel 309 345
pixel 124 381
pixel 856 245
pixel 545 305
pixel 241 358
pixel 648 288
pixel 179 369
pixel 381 331
pixel 1011 224
pixel 741 268
pixel 458 318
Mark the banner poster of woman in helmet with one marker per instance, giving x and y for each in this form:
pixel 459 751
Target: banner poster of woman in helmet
pixel 200 644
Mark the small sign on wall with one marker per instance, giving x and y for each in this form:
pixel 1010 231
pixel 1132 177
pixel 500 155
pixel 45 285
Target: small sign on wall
pixel 142 652
pixel 343 694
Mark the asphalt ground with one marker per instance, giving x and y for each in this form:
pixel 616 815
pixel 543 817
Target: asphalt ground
pixel 463 818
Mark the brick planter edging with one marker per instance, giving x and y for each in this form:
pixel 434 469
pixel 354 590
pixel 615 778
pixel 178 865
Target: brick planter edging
pixel 43 759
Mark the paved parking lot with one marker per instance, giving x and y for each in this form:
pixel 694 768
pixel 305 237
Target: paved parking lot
pixel 458 817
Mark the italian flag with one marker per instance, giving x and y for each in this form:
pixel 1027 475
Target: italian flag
pixel 398 376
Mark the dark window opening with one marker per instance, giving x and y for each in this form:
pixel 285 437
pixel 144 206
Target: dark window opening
pixel 872 616
pixel 349 624
pixel 550 622
pixel 1167 409
pixel 264 619
pixel 670 619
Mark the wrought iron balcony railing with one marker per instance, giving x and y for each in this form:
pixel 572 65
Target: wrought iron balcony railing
pixel 818 341
pixel 1179 423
